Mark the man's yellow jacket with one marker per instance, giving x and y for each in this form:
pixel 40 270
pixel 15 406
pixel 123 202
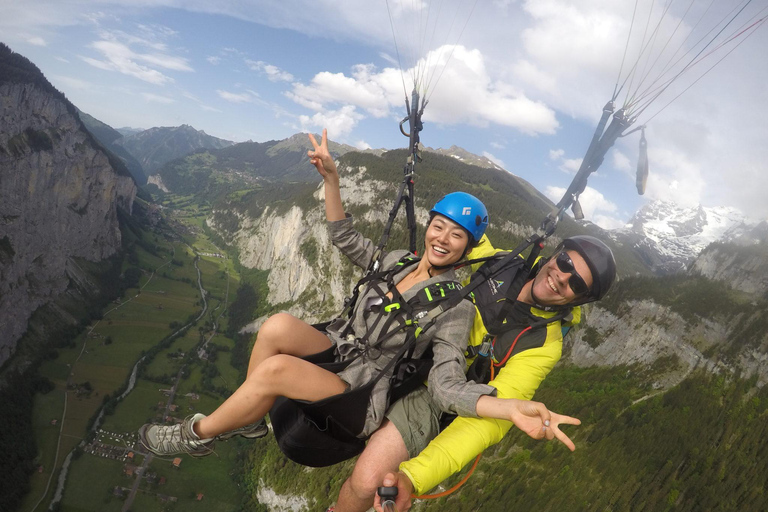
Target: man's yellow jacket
pixel 519 378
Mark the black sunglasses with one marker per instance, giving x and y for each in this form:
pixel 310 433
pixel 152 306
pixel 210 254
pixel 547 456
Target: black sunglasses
pixel 576 282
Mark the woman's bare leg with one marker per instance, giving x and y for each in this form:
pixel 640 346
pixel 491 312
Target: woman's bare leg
pixel 285 334
pixel 279 375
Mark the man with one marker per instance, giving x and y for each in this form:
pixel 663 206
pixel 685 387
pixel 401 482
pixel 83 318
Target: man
pixel 581 270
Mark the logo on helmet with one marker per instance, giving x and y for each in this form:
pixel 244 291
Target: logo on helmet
pixel 466 211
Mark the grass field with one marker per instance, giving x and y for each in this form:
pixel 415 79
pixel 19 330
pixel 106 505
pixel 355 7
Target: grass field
pixel 104 360
pixel 140 406
pixel 90 483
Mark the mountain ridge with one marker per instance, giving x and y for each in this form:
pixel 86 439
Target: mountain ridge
pixel 669 237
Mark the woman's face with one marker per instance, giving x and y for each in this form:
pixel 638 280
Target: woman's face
pixel 445 241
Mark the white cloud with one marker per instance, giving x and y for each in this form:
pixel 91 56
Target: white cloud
pixel 361 144
pixel 387 57
pixel 466 93
pixel 675 178
pixel 156 98
pixel 213 60
pixel 365 89
pixel 621 161
pixel 608 222
pixel 494 159
pixel 274 74
pixel 567 165
pixel 596 207
pixel 37 41
pixel 121 58
pixel 199 102
pixel 130 68
pixel 339 122
pixel 497 145
pixel 62 59
pixel 234 97
pixel 571 165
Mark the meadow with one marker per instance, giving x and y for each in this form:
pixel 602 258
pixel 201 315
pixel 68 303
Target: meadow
pixel 86 375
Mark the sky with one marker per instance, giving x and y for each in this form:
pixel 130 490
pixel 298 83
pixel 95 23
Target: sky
pixel 520 82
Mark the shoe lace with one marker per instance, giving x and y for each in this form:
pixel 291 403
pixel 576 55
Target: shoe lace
pixel 179 437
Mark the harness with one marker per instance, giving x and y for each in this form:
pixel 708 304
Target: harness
pixel 327 431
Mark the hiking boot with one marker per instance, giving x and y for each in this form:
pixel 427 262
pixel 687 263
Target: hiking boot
pixel 174 439
pixel 252 431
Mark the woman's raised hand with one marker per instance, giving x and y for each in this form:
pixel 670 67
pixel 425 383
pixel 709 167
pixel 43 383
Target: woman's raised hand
pixel 321 158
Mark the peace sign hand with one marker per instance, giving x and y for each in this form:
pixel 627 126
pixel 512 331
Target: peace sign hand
pixel 321 158
pixel 537 421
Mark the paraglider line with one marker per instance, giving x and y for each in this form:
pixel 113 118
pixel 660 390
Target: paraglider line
pixel 397 51
pixel 452 49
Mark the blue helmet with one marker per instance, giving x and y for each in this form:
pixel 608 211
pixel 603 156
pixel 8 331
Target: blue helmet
pixel 465 210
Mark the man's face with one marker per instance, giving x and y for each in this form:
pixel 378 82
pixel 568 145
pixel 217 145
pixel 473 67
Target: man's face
pixel 551 287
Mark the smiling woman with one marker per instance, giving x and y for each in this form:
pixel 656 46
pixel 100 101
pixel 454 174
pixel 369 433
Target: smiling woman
pixel 361 351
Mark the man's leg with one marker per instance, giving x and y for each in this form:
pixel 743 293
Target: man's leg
pixel 383 454
pixel 412 422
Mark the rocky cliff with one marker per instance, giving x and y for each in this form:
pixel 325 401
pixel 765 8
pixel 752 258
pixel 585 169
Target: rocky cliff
pixel 307 274
pixel 742 263
pixel 59 195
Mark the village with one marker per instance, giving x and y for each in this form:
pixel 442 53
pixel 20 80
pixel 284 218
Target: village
pixel 126 448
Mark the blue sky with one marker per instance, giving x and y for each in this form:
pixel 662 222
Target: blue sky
pixel 524 85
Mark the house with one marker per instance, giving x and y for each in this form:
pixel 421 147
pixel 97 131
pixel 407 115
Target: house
pixel 199 496
pixel 177 462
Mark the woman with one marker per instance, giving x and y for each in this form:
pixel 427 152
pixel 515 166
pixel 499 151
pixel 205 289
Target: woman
pixel 276 366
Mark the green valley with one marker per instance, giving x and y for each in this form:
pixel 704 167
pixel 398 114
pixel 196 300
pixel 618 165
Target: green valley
pixel 167 328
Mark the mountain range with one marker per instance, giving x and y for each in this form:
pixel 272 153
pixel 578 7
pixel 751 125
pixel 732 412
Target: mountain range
pixel 668 237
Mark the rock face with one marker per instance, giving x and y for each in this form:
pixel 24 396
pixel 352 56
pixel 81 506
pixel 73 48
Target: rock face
pixel 306 271
pixel 157 180
pixel 742 264
pixel 646 333
pixel 59 196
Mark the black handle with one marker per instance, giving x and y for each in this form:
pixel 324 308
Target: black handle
pixel 388 495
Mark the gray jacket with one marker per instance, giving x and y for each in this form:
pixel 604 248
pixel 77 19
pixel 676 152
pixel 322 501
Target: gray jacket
pixel 447 382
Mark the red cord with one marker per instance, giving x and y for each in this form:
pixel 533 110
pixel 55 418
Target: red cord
pixel 509 352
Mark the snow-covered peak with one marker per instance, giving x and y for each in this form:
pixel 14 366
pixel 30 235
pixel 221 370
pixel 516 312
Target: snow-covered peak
pixel 670 236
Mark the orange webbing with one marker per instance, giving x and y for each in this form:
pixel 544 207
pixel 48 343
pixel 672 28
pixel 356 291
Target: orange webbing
pixel 452 489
